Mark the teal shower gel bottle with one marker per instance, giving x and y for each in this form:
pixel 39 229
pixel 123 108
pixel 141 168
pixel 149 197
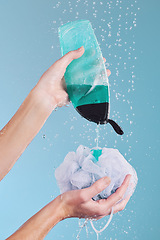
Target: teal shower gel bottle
pixel 86 77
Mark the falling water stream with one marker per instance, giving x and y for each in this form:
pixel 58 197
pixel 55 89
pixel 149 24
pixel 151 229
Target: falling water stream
pixel 114 23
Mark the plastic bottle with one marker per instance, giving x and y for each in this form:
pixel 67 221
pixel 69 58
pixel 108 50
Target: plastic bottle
pixel 86 77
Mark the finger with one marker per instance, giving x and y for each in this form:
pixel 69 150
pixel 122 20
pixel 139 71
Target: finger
pixel 98 218
pixel 70 56
pixel 97 187
pixel 116 208
pixel 121 205
pixel 108 72
pixel 118 195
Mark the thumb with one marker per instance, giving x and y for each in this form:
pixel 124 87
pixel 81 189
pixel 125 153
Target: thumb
pixel 96 188
pixel 70 56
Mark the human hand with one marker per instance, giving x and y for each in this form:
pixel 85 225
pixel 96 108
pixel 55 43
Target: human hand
pixel 76 203
pixel 52 81
pixel 79 203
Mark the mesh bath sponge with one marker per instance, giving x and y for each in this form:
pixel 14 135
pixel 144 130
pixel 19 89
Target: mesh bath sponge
pixel 82 168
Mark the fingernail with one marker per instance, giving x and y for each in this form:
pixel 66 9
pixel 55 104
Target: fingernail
pixel 129 178
pixel 108 72
pixel 79 49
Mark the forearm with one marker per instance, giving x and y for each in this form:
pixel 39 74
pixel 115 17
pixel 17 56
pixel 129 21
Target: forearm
pixel 23 127
pixel 37 227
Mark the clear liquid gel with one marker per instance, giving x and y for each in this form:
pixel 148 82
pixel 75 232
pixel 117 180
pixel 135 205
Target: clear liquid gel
pixel 97 138
pixel 97 151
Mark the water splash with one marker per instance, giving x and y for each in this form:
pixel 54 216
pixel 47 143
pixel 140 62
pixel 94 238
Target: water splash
pixel 81 227
pixel 97 136
pixel 114 23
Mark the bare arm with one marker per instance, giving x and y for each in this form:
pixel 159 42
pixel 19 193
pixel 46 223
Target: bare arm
pixel 77 203
pixel 34 111
pixel 19 132
pixel 22 128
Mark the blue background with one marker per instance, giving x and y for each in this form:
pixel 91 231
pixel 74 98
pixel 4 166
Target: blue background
pixel 128 33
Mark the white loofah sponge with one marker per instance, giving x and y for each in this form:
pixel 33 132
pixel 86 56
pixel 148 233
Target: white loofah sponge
pixel 81 169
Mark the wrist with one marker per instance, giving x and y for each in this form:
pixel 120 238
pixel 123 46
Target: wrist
pixel 61 212
pixel 64 210
pixel 53 96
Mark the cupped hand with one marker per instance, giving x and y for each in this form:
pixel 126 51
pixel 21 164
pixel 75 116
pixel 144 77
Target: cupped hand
pixel 52 81
pixel 79 203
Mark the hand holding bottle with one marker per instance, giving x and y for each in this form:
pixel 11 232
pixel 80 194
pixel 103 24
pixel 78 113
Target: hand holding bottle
pixel 52 81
